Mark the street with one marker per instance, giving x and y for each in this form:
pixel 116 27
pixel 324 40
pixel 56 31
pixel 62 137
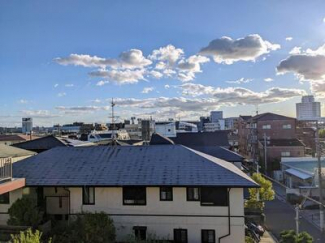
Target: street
pixel 281 216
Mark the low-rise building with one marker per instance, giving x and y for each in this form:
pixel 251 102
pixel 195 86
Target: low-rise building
pixel 166 190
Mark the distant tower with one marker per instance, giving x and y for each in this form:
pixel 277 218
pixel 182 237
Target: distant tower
pixel 308 109
pixel 27 125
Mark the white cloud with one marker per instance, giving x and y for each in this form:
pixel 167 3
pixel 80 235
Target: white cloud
pixel 133 59
pixel 308 65
pixel 147 90
pixel 77 110
pixel 86 61
pixel 167 86
pixel 156 74
pixel 69 85
pixel 23 101
pixel 188 67
pixel 102 82
pixel 240 81
pixel 39 114
pixel 324 20
pixel 268 79
pixel 289 38
pixel 56 85
pixel 295 50
pixel 239 95
pixel 169 54
pixel 61 94
pixel 226 50
pixel 119 76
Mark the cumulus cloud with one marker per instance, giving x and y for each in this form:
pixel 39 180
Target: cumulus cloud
pixel 188 67
pixel 240 81
pixel 268 79
pixel 239 95
pixel 167 86
pixel 86 61
pixel 133 59
pixel 227 50
pixel 119 76
pixel 147 90
pixel 56 85
pixel 307 65
pixel 289 38
pixel 167 55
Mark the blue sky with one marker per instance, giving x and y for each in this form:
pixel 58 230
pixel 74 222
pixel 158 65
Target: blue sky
pixel 114 42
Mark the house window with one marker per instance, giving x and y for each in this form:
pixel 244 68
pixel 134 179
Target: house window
pixel 268 126
pixel 166 194
pixel 140 232
pixel 180 235
pixel 4 198
pixel 193 193
pixel 286 126
pixel 214 196
pixel 285 154
pixel 208 236
pixel 88 195
pixel 134 196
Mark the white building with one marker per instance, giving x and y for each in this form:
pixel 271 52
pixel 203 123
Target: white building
pixel 308 109
pixel 27 125
pixel 166 129
pixel 215 116
pixel 166 190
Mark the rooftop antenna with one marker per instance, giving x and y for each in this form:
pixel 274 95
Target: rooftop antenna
pixel 256 109
pixel 113 123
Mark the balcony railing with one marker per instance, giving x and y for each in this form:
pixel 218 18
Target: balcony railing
pixel 5 169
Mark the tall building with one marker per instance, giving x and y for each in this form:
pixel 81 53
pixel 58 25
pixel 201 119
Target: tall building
pixel 308 109
pixel 215 116
pixel 27 125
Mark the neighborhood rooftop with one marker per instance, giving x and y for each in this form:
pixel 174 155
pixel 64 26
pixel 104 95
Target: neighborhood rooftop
pixel 173 165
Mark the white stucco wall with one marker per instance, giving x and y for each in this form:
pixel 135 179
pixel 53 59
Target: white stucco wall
pixel 110 201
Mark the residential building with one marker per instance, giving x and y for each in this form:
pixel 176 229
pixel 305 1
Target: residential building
pixel 16 154
pixel 27 125
pixel 271 132
pixel 308 109
pixel 48 142
pixel 164 190
pixel 10 139
pixel 231 123
pixel 182 126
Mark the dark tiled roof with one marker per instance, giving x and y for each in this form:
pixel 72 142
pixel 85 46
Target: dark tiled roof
pixel 189 139
pixel 220 152
pixel 245 118
pixel 283 142
pixel 157 165
pixel 41 144
pixel 157 139
pixel 270 116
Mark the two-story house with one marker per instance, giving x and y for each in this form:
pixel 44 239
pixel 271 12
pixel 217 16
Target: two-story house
pixel 168 190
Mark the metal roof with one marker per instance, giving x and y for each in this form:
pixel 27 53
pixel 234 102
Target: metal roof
pixel 154 165
pixel 220 152
pixel 299 174
pixel 9 151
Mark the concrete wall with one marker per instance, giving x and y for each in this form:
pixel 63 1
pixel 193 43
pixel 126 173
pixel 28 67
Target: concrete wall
pixel 161 218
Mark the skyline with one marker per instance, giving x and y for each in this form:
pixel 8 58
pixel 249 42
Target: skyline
pixel 62 62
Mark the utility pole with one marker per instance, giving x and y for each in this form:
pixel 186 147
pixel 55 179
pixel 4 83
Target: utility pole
pixel 297 219
pixel 265 155
pixel 321 208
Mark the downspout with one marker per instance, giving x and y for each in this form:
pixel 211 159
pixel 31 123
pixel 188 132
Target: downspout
pixel 69 204
pixel 229 226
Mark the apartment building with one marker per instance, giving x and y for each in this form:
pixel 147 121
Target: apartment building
pixel 271 132
pixel 168 190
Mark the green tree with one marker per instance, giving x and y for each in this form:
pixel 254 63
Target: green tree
pixel 249 239
pixel 24 212
pixel 27 236
pixel 290 236
pixel 89 227
pixel 266 193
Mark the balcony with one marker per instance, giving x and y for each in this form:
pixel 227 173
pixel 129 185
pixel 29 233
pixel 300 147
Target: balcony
pixel 7 183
